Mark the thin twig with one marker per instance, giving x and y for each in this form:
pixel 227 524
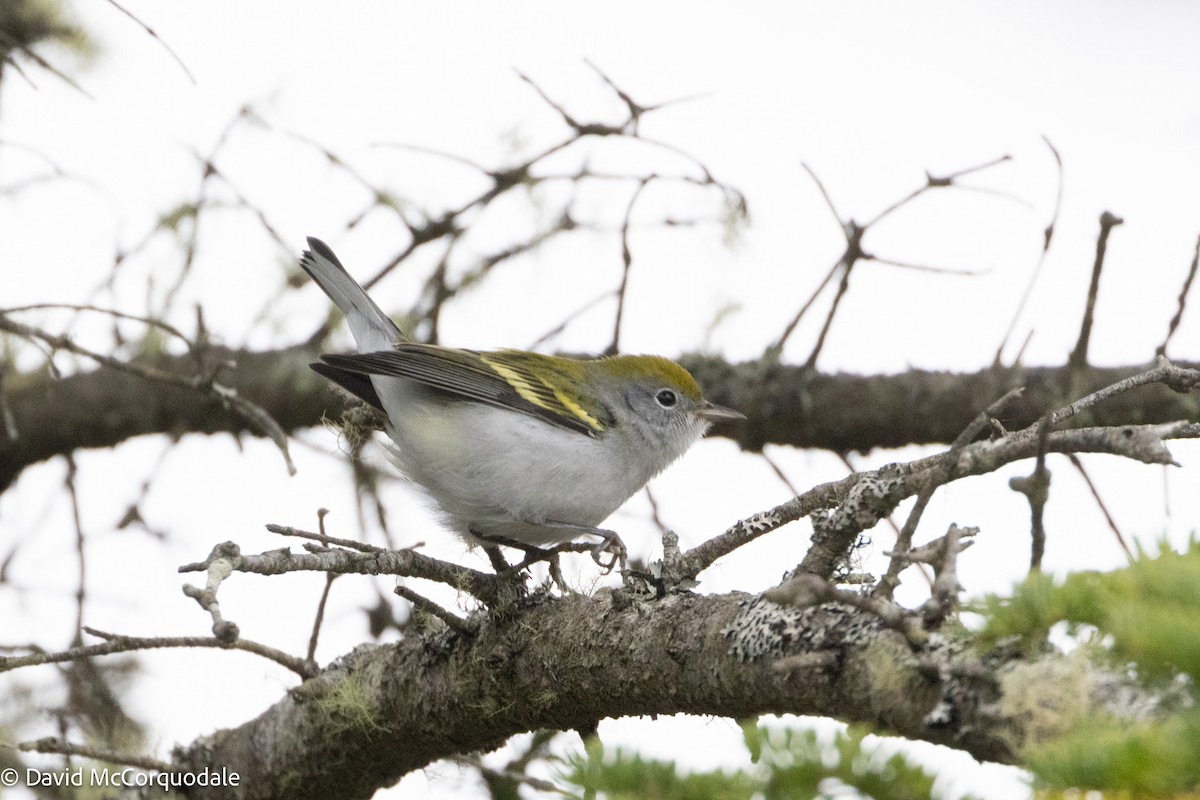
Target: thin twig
pixel 777 347
pixel 1047 238
pixel 362 560
pixel 152 33
pixel 1078 358
pixel 115 643
pixel 942 555
pixel 626 263
pixel 492 774
pixel 112 312
pixel 935 182
pixel 1112 523
pixel 636 109
pixel 320 616
pixel 323 538
pixel 962 273
pixel 429 151
pixel 655 516
pixel 904 537
pixel 1163 371
pixel 423 603
pixel 81 586
pixel 779 473
pixel 824 192
pixel 562 112
pixel 53 746
pixel 850 257
pixel 560 327
pixel 1036 488
pixel 1183 293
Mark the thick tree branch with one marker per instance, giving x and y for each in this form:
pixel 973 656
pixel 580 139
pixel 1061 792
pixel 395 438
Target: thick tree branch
pixel 104 407
pixel 567 662
pixel 785 404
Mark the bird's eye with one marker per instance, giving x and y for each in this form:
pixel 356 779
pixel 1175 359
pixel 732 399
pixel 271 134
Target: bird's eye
pixel 666 398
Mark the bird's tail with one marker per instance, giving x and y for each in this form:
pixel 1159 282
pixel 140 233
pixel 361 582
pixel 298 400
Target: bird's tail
pixel 372 329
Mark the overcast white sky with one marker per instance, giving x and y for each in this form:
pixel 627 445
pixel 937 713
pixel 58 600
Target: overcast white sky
pixel 869 94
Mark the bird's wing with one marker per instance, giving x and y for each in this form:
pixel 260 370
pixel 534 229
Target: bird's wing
pixel 493 378
pixel 356 383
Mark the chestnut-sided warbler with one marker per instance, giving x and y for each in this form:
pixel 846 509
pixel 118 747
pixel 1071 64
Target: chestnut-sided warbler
pixel 515 448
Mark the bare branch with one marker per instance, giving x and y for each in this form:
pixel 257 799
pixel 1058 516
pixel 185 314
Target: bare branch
pixel 1178 379
pixel 636 109
pixel 942 555
pixel 560 327
pixel 152 33
pixel 320 615
pixel 422 603
pixel 112 312
pixel 371 561
pixel 824 192
pixel 1047 238
pixel 219 567
pixel 904 537
pixel 117 643
pixel 1078 358
pixel 63 747
pixel 81 585
pixel 614 346
pixel 862 499
pixel 1112 523
pixel 934 182
pixel 964 273
pixel 324 538
pixel 1183 293
pixel 1036 488
pixel 850 257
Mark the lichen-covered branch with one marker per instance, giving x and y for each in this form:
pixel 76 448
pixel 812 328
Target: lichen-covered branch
pixel 566 662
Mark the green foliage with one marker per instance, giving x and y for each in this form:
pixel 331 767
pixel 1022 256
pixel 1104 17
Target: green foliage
pixel 29 24
pixel 786 765
pixel 628 776
pixel 1151 609
pixel 801 767
pixel 1150 760
pixel 1146 617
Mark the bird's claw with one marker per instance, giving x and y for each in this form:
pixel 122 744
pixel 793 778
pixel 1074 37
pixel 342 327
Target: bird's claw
pixel 610 544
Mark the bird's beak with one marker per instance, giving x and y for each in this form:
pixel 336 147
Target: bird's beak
pixel 714 413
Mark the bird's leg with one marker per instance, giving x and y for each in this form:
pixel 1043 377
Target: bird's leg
pixel 556 573
pixel 492 545
pixel 499 563
pixel 609 543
